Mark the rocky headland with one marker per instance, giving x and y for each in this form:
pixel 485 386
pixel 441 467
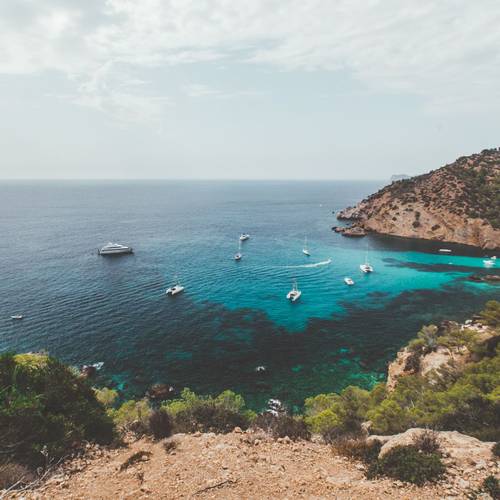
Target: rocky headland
pixel 457 203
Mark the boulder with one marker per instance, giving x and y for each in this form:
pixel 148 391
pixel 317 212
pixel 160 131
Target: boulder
pixel 460 449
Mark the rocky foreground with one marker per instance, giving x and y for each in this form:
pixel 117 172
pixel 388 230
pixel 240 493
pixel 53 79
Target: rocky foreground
pixel 252 465
pixel 457 203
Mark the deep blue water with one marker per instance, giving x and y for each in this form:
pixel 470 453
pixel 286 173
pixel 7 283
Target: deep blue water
pixel 233 316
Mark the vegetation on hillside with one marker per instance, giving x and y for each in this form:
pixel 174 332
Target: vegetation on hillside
pixel 45 410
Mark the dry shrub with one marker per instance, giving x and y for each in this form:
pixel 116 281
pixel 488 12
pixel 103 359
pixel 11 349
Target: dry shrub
pixel 160 424
pixel 15 474
pixel 357 448
pixel 427 442
pixel 169 445
pixel 282 426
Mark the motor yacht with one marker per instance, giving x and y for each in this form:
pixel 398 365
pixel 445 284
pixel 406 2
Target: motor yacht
pixel 445 250
pixel 17 316
pixel 115 249
pixel 348 281
pixel 244 237
pixel 294 294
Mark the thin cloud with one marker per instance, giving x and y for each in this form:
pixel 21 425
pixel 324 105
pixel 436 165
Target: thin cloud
pixel 445 52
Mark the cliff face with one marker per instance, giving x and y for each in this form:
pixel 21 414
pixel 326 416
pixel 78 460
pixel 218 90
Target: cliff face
pixel 457 203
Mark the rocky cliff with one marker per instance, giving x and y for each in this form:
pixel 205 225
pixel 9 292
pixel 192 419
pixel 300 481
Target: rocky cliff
pixel 457 203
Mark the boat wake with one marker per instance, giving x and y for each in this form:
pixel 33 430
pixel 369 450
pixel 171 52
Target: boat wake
pixel 316 264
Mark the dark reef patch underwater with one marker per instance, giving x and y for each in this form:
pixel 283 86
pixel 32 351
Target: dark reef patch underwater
pixel 232 317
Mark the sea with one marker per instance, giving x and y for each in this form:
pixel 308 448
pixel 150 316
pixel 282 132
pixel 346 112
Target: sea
pixel 233 316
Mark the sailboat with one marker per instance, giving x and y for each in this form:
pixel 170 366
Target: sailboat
pixel 238 255
pixel 305 250
pixel 294 294
pixel 366 267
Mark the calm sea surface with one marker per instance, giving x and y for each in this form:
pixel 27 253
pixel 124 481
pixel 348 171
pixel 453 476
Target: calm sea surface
pixel 233 316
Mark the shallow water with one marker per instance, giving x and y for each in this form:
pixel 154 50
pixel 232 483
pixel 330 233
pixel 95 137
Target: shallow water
pixel 233 316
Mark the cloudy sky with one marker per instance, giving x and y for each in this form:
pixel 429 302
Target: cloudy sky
pixel 299 89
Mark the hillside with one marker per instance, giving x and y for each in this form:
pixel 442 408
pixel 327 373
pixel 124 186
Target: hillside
pixel 457 203
pixel 249 465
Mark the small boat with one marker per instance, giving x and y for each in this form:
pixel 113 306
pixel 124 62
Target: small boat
pixel 489 262
pixel 445 250
pixel 366 267
pixel 244 237
pixel 238 255
pixel 175 289
pixel 115 249
pixel 494 257
pixel 17 316
pixel 294 294
pixel 260 369
pixel 305 250
pixel 348 281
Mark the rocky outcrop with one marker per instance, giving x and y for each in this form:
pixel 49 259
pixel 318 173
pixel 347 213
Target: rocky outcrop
pixel 350 231
pixel 441 356
pixel 457 203
pixel 462 451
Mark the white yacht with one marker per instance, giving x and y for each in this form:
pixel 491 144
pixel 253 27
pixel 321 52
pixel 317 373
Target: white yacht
pixel 348 281
pixel 294 294
pixel 305 250
pixel 115 249
pixel 445 250
pixel 175 289
pixel 366 267
pixel 244 237
pixel 17 316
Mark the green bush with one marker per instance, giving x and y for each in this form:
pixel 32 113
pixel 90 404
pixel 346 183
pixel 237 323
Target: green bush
pixel 191 412
pixel 496 449
pixel 491 486
pixel 408 464
pixel 45 409
pixel 133 416
pixel 280 426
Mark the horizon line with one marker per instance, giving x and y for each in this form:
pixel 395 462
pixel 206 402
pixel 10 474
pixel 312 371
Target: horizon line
pixel 177 179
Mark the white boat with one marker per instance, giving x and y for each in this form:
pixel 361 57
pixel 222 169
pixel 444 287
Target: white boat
pixel 366 267
pixel 305 250
pixel 260 369
pixel 238 255
pixel 244 237
pixel 294 294
pixel 489 262
pixel 17 316
pixel 115 249
pixel 494 257
pixel 445 250
pixel 175 289
pixel 348 281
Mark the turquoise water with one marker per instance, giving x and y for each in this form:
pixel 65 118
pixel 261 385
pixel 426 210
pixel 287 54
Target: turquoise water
pixel 232 316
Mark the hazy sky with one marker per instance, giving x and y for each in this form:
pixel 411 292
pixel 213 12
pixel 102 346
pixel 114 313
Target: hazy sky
pixel 296 89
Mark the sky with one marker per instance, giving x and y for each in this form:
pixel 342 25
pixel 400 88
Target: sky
pixel 253 89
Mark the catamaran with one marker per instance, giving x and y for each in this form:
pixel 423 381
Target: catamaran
pixel 175 289
pixel 366 267
pixel 294 294
pixel 305 250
